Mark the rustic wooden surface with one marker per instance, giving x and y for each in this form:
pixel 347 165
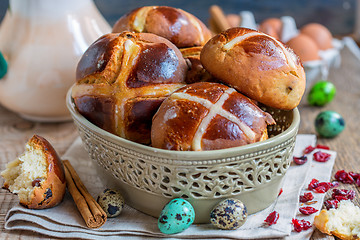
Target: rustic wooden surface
pixel 15 131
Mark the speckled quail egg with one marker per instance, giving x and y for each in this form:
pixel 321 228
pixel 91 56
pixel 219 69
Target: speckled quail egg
pixel 229 214
pixel 176 216
pixel 111 201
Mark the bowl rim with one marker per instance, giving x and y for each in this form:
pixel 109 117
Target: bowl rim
pixel 269 143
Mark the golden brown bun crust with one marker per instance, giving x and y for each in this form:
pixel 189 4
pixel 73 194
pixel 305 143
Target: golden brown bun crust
pixel 184 122
pixel 256 65
pixel 51 192
pixel 196 72
pixel 122 80
pixel 180 27
pixel 320 222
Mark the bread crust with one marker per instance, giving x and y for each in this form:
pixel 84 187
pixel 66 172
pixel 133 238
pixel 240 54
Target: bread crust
pixel 185 122
pixel 257 65
pixel 178 26
pixel 49 192
pixel 320 222
pixel 122 80
pixel 196 72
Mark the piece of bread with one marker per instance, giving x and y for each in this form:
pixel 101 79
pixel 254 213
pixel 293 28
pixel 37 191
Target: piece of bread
pixel 178 26
pixel 343 222
pixel 122 80
pixel 257 65
pixel 196 72
pixel 208 116
pixel 37 176
pixel 304 47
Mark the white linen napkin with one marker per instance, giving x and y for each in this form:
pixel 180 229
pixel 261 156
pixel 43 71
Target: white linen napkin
pixel 64 221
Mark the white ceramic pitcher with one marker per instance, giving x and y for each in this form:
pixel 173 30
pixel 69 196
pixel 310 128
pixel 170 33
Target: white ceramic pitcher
pixel 42 41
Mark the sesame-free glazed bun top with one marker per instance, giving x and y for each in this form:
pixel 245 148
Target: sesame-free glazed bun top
pixel 208 116
pixel 178 26
pixel 122 80
pixel 256 65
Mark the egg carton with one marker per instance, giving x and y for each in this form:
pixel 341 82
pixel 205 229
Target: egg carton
pixel 314 70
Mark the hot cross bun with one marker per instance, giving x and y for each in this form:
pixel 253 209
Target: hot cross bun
pixel 178 26
pixel 256 65
pixel 123 78
pixel 36 176
pixel 208 116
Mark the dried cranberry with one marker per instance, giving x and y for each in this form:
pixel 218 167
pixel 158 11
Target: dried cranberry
pixel 331 204
pixel 313 184
pixel 334 184
pixel 343 194
pixel 358 182
pixel 300 160
pixel 355 176
pixel 309 149
pixel 321 156
pixel 323 187
pixel 344 177
pixel 322 147
pixel 280 192
pixel 307 210
pixel 272 218
pixel 308 196
pixel 300 224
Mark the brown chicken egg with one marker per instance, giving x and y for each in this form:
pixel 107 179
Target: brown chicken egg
pixel 304 47
pixel 319 33
pixel 234 20
pixel 272 27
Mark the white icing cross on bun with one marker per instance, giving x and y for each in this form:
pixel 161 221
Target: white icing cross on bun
pixel 288 57
pixel 214 109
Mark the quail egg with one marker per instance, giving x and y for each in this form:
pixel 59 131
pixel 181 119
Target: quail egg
pixel 176 216
pixel 111 201
pixel 229 214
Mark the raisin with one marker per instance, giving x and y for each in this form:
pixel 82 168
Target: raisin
pixel 308 196
pixel 321 156
pixel 300 224
pixel 272 218
pixel 309 149
pixel 307 210
pixel 331 204
pixel 36 182
pixel 300 160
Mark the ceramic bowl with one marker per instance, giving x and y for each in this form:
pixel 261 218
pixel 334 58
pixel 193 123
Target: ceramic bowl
pixel 149 177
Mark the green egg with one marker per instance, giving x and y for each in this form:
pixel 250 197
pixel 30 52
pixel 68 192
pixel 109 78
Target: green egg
pixel 176 216
pixel 321 93
pixel 329 124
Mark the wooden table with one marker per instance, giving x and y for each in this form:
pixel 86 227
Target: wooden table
pixel 15 131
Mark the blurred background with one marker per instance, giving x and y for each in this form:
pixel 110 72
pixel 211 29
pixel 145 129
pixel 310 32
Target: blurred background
pixel 337 15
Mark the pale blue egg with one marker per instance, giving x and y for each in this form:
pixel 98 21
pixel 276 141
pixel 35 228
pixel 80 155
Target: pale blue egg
pixel 176 216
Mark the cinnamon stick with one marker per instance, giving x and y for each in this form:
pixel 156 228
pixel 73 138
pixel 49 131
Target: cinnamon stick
pixel 93 215
pixel 218 17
